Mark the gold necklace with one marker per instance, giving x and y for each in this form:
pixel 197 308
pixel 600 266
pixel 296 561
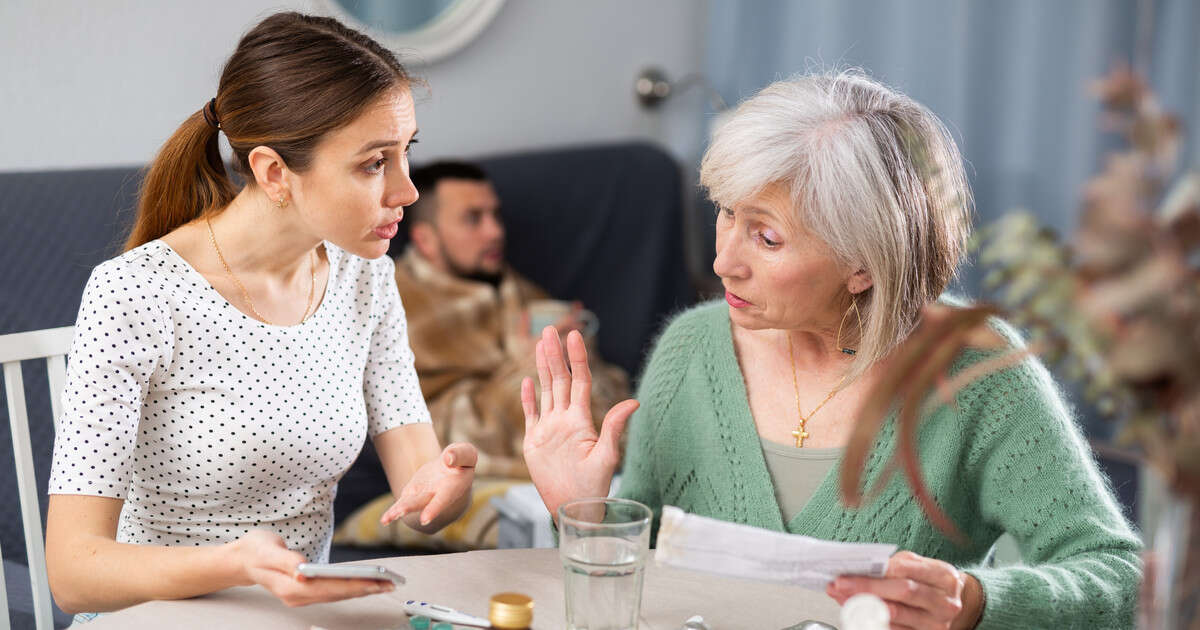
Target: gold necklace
pixel 312 267
pixel 800 434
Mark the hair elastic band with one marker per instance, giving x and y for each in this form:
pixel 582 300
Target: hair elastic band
pixel 210 113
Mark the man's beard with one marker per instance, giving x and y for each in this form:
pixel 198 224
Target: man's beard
pixel 476 274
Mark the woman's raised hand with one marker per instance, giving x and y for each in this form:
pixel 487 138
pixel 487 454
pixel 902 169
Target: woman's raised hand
pixel 264 559
pixel 566 458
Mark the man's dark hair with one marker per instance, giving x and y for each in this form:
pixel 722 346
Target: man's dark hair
pixel 426 179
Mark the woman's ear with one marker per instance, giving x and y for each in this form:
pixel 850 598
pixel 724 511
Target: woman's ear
pixel 859 282
pixel 270 172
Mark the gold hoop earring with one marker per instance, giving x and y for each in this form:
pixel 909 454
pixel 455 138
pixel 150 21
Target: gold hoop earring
pixel 854 307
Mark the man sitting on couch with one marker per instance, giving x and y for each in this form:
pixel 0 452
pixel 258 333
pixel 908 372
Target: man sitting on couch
pixel 469 318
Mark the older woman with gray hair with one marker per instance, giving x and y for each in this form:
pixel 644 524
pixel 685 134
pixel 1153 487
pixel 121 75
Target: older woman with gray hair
pixel 844 212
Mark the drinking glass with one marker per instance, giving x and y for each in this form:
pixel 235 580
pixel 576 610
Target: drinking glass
pixel 603 544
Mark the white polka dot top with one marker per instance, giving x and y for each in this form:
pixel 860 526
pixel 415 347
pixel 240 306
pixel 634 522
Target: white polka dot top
pixel 209 423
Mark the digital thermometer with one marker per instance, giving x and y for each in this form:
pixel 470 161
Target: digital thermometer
pixel 441 613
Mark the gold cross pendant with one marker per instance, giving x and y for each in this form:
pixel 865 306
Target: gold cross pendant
pixel 800 434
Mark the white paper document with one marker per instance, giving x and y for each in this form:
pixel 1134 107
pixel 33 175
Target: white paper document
pixel 698 543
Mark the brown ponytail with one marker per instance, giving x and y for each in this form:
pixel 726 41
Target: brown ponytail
pixel 292 79
pixel 186 180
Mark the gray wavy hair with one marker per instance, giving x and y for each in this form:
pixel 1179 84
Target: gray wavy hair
pixel 871 172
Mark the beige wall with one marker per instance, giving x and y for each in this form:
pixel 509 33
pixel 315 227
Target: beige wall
pixel 104 83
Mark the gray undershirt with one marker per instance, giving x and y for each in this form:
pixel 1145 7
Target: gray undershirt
pixel 796 473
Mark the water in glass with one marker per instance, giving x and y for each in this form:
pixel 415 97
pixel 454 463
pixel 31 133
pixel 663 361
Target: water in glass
pixel 603 583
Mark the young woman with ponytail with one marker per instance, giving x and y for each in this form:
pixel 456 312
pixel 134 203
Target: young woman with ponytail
pixel 227 367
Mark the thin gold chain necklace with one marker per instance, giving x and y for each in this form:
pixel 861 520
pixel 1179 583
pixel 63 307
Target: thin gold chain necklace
pixel 800 434
pixel 312 266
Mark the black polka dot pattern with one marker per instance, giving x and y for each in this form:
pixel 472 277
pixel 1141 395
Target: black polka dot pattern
pixel 209 423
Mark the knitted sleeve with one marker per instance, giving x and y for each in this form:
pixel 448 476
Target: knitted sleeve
pixel 1038 482
pixel 660 381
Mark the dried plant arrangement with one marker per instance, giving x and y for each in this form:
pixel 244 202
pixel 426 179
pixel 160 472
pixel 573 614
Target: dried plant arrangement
pixel 1114 308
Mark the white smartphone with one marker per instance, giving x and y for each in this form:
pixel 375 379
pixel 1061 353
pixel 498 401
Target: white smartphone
pixel 349 572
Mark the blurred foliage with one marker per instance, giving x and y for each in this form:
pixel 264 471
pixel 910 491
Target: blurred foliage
pixel 1116 308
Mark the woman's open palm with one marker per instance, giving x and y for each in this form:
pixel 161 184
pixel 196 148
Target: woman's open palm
pixel 566 458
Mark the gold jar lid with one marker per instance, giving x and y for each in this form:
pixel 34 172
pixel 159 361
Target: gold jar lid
pixel 510 610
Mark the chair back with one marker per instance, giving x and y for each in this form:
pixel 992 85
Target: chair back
pixel 52 346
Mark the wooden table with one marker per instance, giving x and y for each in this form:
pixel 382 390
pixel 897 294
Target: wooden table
pixel 465 581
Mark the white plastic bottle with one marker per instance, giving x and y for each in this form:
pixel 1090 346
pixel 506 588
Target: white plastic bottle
pixel 865 612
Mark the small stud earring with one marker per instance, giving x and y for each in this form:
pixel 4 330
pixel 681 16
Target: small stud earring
pixel 282 203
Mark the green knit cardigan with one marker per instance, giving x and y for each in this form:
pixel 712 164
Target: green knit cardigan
pixel 1007 457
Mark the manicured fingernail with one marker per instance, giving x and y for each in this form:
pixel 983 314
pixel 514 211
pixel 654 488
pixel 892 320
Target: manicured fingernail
pixel 425 521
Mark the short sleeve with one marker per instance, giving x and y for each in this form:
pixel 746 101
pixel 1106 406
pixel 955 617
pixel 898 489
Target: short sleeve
pixel 390 385
pixel 122 337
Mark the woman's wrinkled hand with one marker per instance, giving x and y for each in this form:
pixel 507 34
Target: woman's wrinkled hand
pixel 921 593
pixel 441 483
pixel 262 558
pixel 565 456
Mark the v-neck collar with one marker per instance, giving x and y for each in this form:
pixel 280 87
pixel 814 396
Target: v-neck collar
pixel 746 443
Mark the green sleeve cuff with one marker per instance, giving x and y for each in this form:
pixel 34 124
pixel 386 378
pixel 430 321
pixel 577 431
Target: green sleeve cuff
pixel 1002 605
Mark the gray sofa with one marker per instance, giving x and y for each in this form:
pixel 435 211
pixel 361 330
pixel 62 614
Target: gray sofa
pixel 602 224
